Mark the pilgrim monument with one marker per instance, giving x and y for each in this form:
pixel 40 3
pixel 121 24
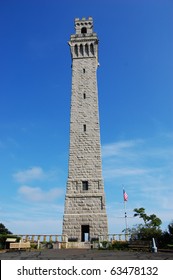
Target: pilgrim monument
pixel 85 212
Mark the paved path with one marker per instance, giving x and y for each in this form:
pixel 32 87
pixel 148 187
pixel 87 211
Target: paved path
pixel 84 254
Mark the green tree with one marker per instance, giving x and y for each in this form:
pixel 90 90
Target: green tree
pixel 150 228
pixel 170 228
pixel 166 239
pixel 4 230
pixel 151 221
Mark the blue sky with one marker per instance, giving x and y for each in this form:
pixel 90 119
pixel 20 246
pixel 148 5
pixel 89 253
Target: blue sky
pixel 135 104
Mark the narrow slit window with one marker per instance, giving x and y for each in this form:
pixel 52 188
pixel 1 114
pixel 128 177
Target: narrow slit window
pixel 86 49
pixel 92 49
pixel 76 50
pixel 85 185
pixel 83 70
pixel 102 203
pixel 84 96
pixel 81 49
pixel 84 127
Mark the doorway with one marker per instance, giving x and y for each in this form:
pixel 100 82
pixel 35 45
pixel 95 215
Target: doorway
pixel 85 233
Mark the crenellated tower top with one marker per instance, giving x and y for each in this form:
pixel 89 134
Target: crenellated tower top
pixel 85 42
pixel 84 26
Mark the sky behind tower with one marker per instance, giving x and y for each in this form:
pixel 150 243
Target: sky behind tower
pixel 135 105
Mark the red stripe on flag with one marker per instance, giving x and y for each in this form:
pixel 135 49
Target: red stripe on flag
pixel 125 195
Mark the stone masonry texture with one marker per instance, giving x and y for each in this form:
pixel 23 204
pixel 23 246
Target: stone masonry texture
pixel 85 198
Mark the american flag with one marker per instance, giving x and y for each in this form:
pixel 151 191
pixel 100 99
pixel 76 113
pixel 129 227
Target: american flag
pixel 125 195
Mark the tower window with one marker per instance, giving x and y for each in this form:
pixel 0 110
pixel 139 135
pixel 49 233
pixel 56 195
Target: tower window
pixel 85 185
pixel 84 30
pixel 76 50
pixel 84 127
pixel 83 70
pixel 84 96
pixel 101 203
pixel 86 49
pixel 92 49
pixel 81 49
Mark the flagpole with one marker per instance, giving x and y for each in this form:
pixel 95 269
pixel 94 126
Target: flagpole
pixel 125 215
pixel 125 196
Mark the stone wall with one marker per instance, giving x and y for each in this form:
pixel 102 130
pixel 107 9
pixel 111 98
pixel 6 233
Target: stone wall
pixel 84 206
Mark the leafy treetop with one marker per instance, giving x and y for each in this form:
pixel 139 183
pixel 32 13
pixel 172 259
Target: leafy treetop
pixel 151 221
pixel 4 230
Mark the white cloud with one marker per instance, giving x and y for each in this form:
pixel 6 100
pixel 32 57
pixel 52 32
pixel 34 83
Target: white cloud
pixel 26 217
pixel 33 226
pixel 144 167
pixel 137 157
pixel 116 149
pixel 33 173
pixel 118 172
pixel 38 195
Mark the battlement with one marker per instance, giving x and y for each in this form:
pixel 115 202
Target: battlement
pixel 83 19
pixel 84 26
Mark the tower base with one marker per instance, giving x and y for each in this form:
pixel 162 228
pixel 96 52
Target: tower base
pixel 83 228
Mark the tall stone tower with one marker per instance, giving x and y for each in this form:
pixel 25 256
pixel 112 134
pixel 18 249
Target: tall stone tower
pixel 85 213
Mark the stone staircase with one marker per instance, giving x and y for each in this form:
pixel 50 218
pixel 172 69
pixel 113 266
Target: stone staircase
pixel 78 245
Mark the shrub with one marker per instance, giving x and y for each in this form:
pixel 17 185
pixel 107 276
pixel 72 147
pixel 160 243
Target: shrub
pixel 72 239
pixel 33 246
pixel 94 239
pixel 3 238
pixel 119 245
pixel 104 245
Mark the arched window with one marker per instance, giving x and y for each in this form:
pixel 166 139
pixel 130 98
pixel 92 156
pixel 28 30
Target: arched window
pixel 86 49
pixel 84 30
pixel 92 49
pixel 76 50
pixel 81 49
